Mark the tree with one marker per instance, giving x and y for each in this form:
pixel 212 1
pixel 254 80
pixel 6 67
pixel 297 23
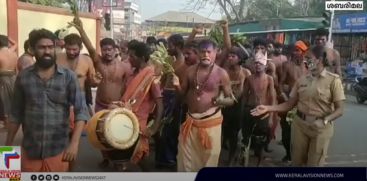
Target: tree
pixel 266 9
pixel 242 10
pixel 233 9
pixel 310 7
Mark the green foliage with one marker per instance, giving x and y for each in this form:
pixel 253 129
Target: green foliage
pixel 160 58
pixel 216 35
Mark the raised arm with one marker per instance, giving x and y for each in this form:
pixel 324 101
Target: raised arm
pixel 77 23
pixel 226 37
pixel 196 30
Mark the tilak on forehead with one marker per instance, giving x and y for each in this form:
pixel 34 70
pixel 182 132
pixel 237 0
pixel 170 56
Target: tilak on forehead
pixel 207 44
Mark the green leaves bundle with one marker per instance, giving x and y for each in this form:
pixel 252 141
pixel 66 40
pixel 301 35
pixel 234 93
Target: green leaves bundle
pixel 216 35
pixel 161 58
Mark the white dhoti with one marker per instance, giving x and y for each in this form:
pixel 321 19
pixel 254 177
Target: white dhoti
pixel 200 141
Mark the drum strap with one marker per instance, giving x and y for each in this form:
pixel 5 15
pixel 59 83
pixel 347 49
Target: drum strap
pixel 139 87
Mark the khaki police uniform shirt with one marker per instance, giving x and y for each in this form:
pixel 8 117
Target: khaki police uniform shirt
pixel 316 95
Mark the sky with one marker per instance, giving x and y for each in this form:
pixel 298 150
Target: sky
pixel 151 8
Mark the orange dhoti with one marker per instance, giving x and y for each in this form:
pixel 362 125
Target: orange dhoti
pixel 200 141
pixel 51 164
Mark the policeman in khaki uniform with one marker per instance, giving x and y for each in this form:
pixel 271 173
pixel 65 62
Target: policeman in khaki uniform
pixel 319 97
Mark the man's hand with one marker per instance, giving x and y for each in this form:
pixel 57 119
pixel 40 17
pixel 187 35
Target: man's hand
pixel 198 29
pixel 77 23
pixel 148 132
pixel 223 24
pixel 97 78
pixel 116 104
pixel 71 152
pixel 317 125
pixel 260 110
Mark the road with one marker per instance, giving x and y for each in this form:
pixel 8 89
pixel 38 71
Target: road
pixel 347 148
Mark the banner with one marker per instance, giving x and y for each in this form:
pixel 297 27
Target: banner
pixel 102 176
pixel 350 23
pixel 282 173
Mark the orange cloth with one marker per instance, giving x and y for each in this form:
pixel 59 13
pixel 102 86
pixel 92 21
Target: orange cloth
pixel 142 88
pixel 201 125
pixel 139 86
pixel 301 45
pixel 141 150
pixel 51 164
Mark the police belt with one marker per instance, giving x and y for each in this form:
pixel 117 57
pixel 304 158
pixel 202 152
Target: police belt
pixel 306 117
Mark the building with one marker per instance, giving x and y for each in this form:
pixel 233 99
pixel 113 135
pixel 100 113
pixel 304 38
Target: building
pixel 283 30
pixel 132 25
pixel 350 34
pixel 102 7
pixel 173 22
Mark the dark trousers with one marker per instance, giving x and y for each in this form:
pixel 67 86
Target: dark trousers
pixel 286 134
pixel 255 128
pixel 232 123
pixel 167 141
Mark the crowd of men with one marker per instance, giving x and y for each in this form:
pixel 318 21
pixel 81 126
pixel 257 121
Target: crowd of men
pixel 213 90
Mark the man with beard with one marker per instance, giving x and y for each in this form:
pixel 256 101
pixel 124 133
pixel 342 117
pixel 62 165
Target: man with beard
pixel 167 145
pixel 232 115
pixel 8 71
pixel 144 88
pixel 26 59
pixel 81 64
pixel 333 56
pixel 277 58
pixel 291 71
pixel 200 135
pixel 114 73
pixel 42 97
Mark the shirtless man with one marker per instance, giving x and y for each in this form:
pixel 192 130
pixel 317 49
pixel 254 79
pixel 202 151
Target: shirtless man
pixel 26 59
pixel 200 135
pixel 232 116
pixel 333 56
pixel 81 64
pixel 260 45
pixel 291 71
pixel 8 71
pixel 277 58
pixel 258 89
pixel 167 141
pixel 114 72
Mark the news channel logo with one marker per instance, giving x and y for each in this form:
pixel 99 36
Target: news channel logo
pixel 10 162
pixel 344 5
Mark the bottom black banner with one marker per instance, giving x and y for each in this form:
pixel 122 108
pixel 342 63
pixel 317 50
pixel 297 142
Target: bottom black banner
pixel 282 173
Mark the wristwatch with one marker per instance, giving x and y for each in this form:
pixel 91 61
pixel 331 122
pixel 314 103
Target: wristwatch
pixel 326 121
